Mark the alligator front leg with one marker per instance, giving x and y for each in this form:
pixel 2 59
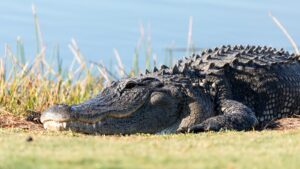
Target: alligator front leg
pixel 236 116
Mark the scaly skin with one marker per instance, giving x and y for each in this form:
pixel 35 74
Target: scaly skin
pixel 231 87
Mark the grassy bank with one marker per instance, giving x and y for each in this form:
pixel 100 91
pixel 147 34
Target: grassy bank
pixel 232 150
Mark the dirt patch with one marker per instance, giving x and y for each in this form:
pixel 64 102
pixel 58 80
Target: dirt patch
pixel 284 124
pixel 10 121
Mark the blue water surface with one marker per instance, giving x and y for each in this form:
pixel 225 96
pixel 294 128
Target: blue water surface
pixel 99 26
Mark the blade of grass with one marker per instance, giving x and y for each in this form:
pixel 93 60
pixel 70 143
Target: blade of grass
pixel 20 50
pixel 38 33
pixel 103 73
pixel 2 70
pixel 148 48
pixel 121 70
pixel 79 57
pixel 189 37
pixel 56 55
pixel 136 61
pixel 285 32
pixel 106 70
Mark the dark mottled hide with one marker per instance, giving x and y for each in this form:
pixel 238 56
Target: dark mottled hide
pixel 230 87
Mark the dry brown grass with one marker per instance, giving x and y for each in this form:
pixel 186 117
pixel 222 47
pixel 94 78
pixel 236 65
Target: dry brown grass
pixel 12 121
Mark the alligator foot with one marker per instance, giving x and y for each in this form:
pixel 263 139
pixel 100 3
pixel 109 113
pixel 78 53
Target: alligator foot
pixel 236 116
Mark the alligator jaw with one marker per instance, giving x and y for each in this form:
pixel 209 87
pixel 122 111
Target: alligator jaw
pixel 75 125
pixel 63 117
pixel 55 125
pixel 57 122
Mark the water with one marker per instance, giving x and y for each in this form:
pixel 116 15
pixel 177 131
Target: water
pixel 100 26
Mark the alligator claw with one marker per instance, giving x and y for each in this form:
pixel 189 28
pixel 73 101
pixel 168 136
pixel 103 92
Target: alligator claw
pixel 208 125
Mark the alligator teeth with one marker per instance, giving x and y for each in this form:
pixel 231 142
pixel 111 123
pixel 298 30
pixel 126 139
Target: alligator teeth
pixel 55 126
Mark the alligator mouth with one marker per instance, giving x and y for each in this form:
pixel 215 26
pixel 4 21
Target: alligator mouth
pixel 63 117
pixel 59 125
pixel 56 117
pixel 55 125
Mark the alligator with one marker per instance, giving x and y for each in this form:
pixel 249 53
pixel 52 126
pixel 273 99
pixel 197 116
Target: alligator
pixel 236 87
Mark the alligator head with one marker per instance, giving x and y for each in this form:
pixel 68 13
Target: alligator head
pixel 133 105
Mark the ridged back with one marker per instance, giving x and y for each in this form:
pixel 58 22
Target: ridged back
pixel 238 56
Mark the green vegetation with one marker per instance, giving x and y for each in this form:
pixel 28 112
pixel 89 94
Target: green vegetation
pixel 30 87
pixel 27 85
pixel 267 149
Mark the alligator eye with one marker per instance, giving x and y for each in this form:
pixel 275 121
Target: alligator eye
pixel 130 85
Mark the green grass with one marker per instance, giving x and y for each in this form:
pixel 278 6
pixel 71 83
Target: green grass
pixel 232 150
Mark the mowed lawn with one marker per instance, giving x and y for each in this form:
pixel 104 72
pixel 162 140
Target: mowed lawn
pixel 229 150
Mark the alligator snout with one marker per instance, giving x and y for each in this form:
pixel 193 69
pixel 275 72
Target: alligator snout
pixel 59 113
pixel 55 117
